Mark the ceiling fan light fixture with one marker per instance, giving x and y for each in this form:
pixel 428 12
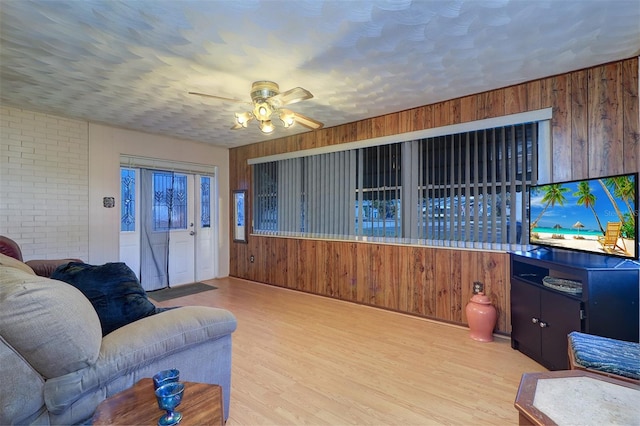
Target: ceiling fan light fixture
pixel 261 90
pixel 268 102
pixel 266 126
pixel 262 111
pixel 288 118
pixel 243 118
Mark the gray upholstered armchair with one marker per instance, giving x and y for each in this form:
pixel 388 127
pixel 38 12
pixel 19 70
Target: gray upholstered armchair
pixel 57 366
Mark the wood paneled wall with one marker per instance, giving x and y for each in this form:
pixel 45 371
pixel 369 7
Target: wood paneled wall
pixel 595 132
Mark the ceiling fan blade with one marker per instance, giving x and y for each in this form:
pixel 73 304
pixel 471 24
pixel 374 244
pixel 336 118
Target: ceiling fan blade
pixel 292 96
pixel 308 122
pixel 219 98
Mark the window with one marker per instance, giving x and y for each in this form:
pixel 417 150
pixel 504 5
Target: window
pixel 462 190
pixel 265 196
pixel 470 184
pixel 378 202
pixel 169 201
pixel 128 200
pixel 205 202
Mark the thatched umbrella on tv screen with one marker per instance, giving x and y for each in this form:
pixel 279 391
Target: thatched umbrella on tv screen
pixel 557 227
pixel 578 225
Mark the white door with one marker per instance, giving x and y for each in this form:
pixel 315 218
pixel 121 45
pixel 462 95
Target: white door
pixel 182 247
pixel 193 229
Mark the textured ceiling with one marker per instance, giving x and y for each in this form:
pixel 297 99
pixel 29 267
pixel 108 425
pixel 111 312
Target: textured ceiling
pixel 130 64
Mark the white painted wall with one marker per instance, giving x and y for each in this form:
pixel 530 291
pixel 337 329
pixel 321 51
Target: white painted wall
pixel 54 173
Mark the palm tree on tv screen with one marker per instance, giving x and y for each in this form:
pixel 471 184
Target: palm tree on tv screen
pixel 553 193
pixel 606 185
pixel 623 188
pixel 587 199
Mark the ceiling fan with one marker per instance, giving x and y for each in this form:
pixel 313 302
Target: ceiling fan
pixel 267 103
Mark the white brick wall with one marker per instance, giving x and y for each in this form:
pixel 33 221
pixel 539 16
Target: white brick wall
pixel 44 184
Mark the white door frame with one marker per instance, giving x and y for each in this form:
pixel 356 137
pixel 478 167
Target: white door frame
pixel 205 259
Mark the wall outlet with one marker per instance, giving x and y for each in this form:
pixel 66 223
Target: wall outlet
pixel 478 287
pixel 252 258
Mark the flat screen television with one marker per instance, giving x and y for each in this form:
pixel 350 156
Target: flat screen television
pixel 598 215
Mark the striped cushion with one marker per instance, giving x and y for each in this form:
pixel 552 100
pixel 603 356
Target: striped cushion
pixel 606 355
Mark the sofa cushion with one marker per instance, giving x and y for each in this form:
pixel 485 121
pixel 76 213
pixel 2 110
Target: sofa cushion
pixel 604 354
pixel 10 248
pixel 50 323
pixel 113 289
pixel 22 393
pixel 15 263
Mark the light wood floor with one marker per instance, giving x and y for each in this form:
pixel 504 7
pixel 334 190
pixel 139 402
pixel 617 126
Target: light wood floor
pixel 305 359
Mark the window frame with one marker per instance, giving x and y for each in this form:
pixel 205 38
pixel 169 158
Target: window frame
pixel 405 218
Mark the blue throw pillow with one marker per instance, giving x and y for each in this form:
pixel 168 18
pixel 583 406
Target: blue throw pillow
pixel 113 289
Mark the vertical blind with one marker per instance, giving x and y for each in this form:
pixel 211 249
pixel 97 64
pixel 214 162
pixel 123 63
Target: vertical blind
pixel 305 196
pixel 463 190
pixel 471 185
pixel 328 195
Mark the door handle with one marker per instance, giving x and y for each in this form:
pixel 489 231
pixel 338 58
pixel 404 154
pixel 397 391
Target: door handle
pixel 192 233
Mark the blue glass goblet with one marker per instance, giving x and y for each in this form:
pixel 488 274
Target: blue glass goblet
pixel 169 397
pixel 165 376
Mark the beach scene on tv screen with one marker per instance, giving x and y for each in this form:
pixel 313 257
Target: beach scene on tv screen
pixel 595 215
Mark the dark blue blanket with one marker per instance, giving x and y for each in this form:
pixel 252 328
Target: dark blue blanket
pixel 113 289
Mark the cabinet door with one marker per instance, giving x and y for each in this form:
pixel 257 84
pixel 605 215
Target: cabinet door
pixel 525 308
pixel 559 316
pixel 612 309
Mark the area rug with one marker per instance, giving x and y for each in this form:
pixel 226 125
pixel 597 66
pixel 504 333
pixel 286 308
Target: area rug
pixel 179 291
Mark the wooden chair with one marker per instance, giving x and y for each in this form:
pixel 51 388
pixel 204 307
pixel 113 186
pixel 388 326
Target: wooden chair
pixel 609 241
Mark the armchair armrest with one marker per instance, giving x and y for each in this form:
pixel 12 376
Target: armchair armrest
pixel 137 345
pixel 45 267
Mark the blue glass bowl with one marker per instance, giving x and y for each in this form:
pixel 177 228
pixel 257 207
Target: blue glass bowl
pixel 165 376
pixel 169 396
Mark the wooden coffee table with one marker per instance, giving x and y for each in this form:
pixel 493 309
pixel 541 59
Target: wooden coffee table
pixel 576 397
pixel 201 405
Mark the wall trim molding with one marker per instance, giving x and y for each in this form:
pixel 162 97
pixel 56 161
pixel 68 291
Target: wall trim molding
pixel 135 161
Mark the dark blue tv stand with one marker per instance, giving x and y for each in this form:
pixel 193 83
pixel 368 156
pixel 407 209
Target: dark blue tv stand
pixel 541 317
